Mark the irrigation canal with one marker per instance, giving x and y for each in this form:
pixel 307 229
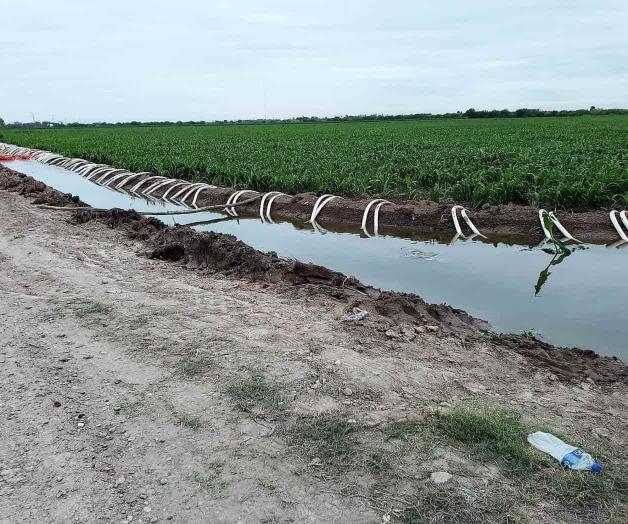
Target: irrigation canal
pixel 575 300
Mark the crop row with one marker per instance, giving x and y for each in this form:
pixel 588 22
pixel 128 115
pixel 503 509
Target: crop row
pixel 566 163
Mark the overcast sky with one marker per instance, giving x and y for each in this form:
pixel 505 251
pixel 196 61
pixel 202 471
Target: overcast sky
pixel 121 60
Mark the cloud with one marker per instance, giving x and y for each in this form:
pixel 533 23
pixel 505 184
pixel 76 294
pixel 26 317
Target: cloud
pixel 193 60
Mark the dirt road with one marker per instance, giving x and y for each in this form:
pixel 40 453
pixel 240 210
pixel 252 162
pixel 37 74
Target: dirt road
pixel 136 390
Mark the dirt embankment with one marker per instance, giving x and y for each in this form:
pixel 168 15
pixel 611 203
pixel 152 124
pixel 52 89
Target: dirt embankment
pixel 394 315
pixel 39 192
pixel 423 216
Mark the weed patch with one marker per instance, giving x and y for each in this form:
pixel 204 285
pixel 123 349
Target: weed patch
pixel 326 437
pixel 493 435
pixel 256 393
pixel 314 348
pixel 403 429
pixel 377 462
pixel 194 366
pixel 57 309
pixel 210 480
pixel 86 308
pixel 582 494
pixel 443 505
pixel 189 421
pixel 500 436
pixel 131 407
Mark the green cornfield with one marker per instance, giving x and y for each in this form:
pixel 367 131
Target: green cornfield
pixel 563 163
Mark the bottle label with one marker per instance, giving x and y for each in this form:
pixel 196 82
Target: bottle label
pixel 572 459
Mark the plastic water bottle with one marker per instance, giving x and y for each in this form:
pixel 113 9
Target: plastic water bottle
pixel 569 456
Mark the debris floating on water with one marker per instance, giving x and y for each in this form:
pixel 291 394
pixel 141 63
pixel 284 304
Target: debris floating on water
pixel 418 253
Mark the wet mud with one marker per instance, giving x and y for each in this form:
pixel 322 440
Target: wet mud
pixel 395 315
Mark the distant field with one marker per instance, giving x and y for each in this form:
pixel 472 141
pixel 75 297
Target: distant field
pixel 568 163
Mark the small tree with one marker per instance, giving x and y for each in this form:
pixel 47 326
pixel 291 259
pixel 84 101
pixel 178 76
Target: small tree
pixel 1 122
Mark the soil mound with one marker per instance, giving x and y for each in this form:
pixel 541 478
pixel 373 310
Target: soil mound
pixel 567 363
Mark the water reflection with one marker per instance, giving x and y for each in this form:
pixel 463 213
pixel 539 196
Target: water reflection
pixel 212 221
pixel 557 258
pixel 559 253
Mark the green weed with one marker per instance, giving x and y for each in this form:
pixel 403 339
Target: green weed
pixel 314 348
pixel 500 436
pixel 189 421
pixel 403 429
pixel 327 438
pixel 255 392
pixel 132 407
pixel 86 308
pixel 493 435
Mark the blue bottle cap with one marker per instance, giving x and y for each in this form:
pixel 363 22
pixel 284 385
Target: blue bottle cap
pixel 596 468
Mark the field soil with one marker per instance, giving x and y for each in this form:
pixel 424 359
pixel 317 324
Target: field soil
pixel 153 374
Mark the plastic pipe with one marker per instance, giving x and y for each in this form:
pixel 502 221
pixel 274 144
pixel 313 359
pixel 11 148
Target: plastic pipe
pixel 320 203
pixel 463 212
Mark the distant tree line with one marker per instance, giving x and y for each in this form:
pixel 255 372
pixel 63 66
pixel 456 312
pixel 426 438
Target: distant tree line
pixel 469 113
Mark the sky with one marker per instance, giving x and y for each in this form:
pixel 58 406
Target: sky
pixel 123 60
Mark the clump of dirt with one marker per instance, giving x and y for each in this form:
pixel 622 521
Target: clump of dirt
pixel 216 251
pixel 566 363
pixel 300 273
pixel 7 158
pixel 225 253
pixel 136 226
pixel 407 308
